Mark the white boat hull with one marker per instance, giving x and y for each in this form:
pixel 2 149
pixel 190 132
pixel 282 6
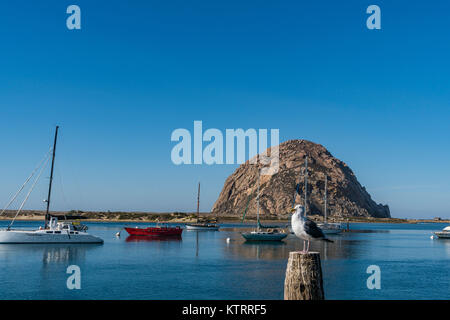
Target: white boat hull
pixel 331 231
pixel 200 227
pixel 443 235
pixel 330 228
pixel 45 236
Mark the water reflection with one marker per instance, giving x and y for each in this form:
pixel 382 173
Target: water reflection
pixel 443 243
pixel 366 231
pixel 50 253
pixel 64 253
pixel 264 250
pixel 341 248
pixel 196 244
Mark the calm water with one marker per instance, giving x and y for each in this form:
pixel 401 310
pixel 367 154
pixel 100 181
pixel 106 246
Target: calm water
pixel 204 266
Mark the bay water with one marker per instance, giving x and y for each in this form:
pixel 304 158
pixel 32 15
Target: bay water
pixel 204 265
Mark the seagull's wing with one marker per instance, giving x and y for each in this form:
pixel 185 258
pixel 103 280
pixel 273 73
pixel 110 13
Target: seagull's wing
pixel 313 230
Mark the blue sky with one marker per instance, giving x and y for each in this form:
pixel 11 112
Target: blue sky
pixel 377 99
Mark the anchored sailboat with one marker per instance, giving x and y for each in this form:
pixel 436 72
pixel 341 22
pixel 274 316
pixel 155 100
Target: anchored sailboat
pixel 53 231
pixel 207 225
pixel 262 233
pixel 328 228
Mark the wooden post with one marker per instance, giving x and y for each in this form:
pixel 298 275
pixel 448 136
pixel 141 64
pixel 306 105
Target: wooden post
pixel 303 277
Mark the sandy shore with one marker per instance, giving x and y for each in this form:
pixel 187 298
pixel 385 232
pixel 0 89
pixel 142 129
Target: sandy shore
pixel 189 217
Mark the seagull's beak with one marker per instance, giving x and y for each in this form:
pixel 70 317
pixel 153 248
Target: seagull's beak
pixel 293 210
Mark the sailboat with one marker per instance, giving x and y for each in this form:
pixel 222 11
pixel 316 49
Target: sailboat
pixel 328 228
pixel 53 231
pixel 259 234
pixel 201 225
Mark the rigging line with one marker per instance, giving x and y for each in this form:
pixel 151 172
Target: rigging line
pixel 29 192
pixel 61 187
pixel 24 184
pixel 246 208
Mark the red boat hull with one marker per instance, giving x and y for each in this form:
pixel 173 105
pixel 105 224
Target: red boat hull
pixel 152 238
pixel 155 231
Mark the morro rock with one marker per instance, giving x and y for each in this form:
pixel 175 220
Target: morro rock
pixel 346 196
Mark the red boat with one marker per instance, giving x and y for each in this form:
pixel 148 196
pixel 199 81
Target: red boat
pixel 152 238
pixel 155 231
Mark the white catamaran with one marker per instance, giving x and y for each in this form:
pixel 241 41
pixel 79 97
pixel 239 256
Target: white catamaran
pixel 444 234
pixel 53 231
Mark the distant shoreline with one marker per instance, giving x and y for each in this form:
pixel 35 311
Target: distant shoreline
pixel 189 217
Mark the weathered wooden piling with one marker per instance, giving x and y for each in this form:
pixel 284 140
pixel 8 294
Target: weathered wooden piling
pixel 303 277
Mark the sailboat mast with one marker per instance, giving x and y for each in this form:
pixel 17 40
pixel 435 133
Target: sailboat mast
pixel 257 201
pixel 47 216
pixel 306 184
pixel 198 203
pixel 325 199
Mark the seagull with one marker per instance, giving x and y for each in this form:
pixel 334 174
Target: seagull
pixel 304 228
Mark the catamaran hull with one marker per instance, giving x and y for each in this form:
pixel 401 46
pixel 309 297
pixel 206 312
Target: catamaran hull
pixel 443 235
pixel 28 237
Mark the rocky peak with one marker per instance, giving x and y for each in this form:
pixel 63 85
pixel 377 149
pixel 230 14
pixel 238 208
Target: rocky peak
pixel 346 196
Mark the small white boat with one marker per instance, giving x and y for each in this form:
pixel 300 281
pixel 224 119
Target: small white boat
pixel 330 228
pixel 202 226
pixel 444 234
